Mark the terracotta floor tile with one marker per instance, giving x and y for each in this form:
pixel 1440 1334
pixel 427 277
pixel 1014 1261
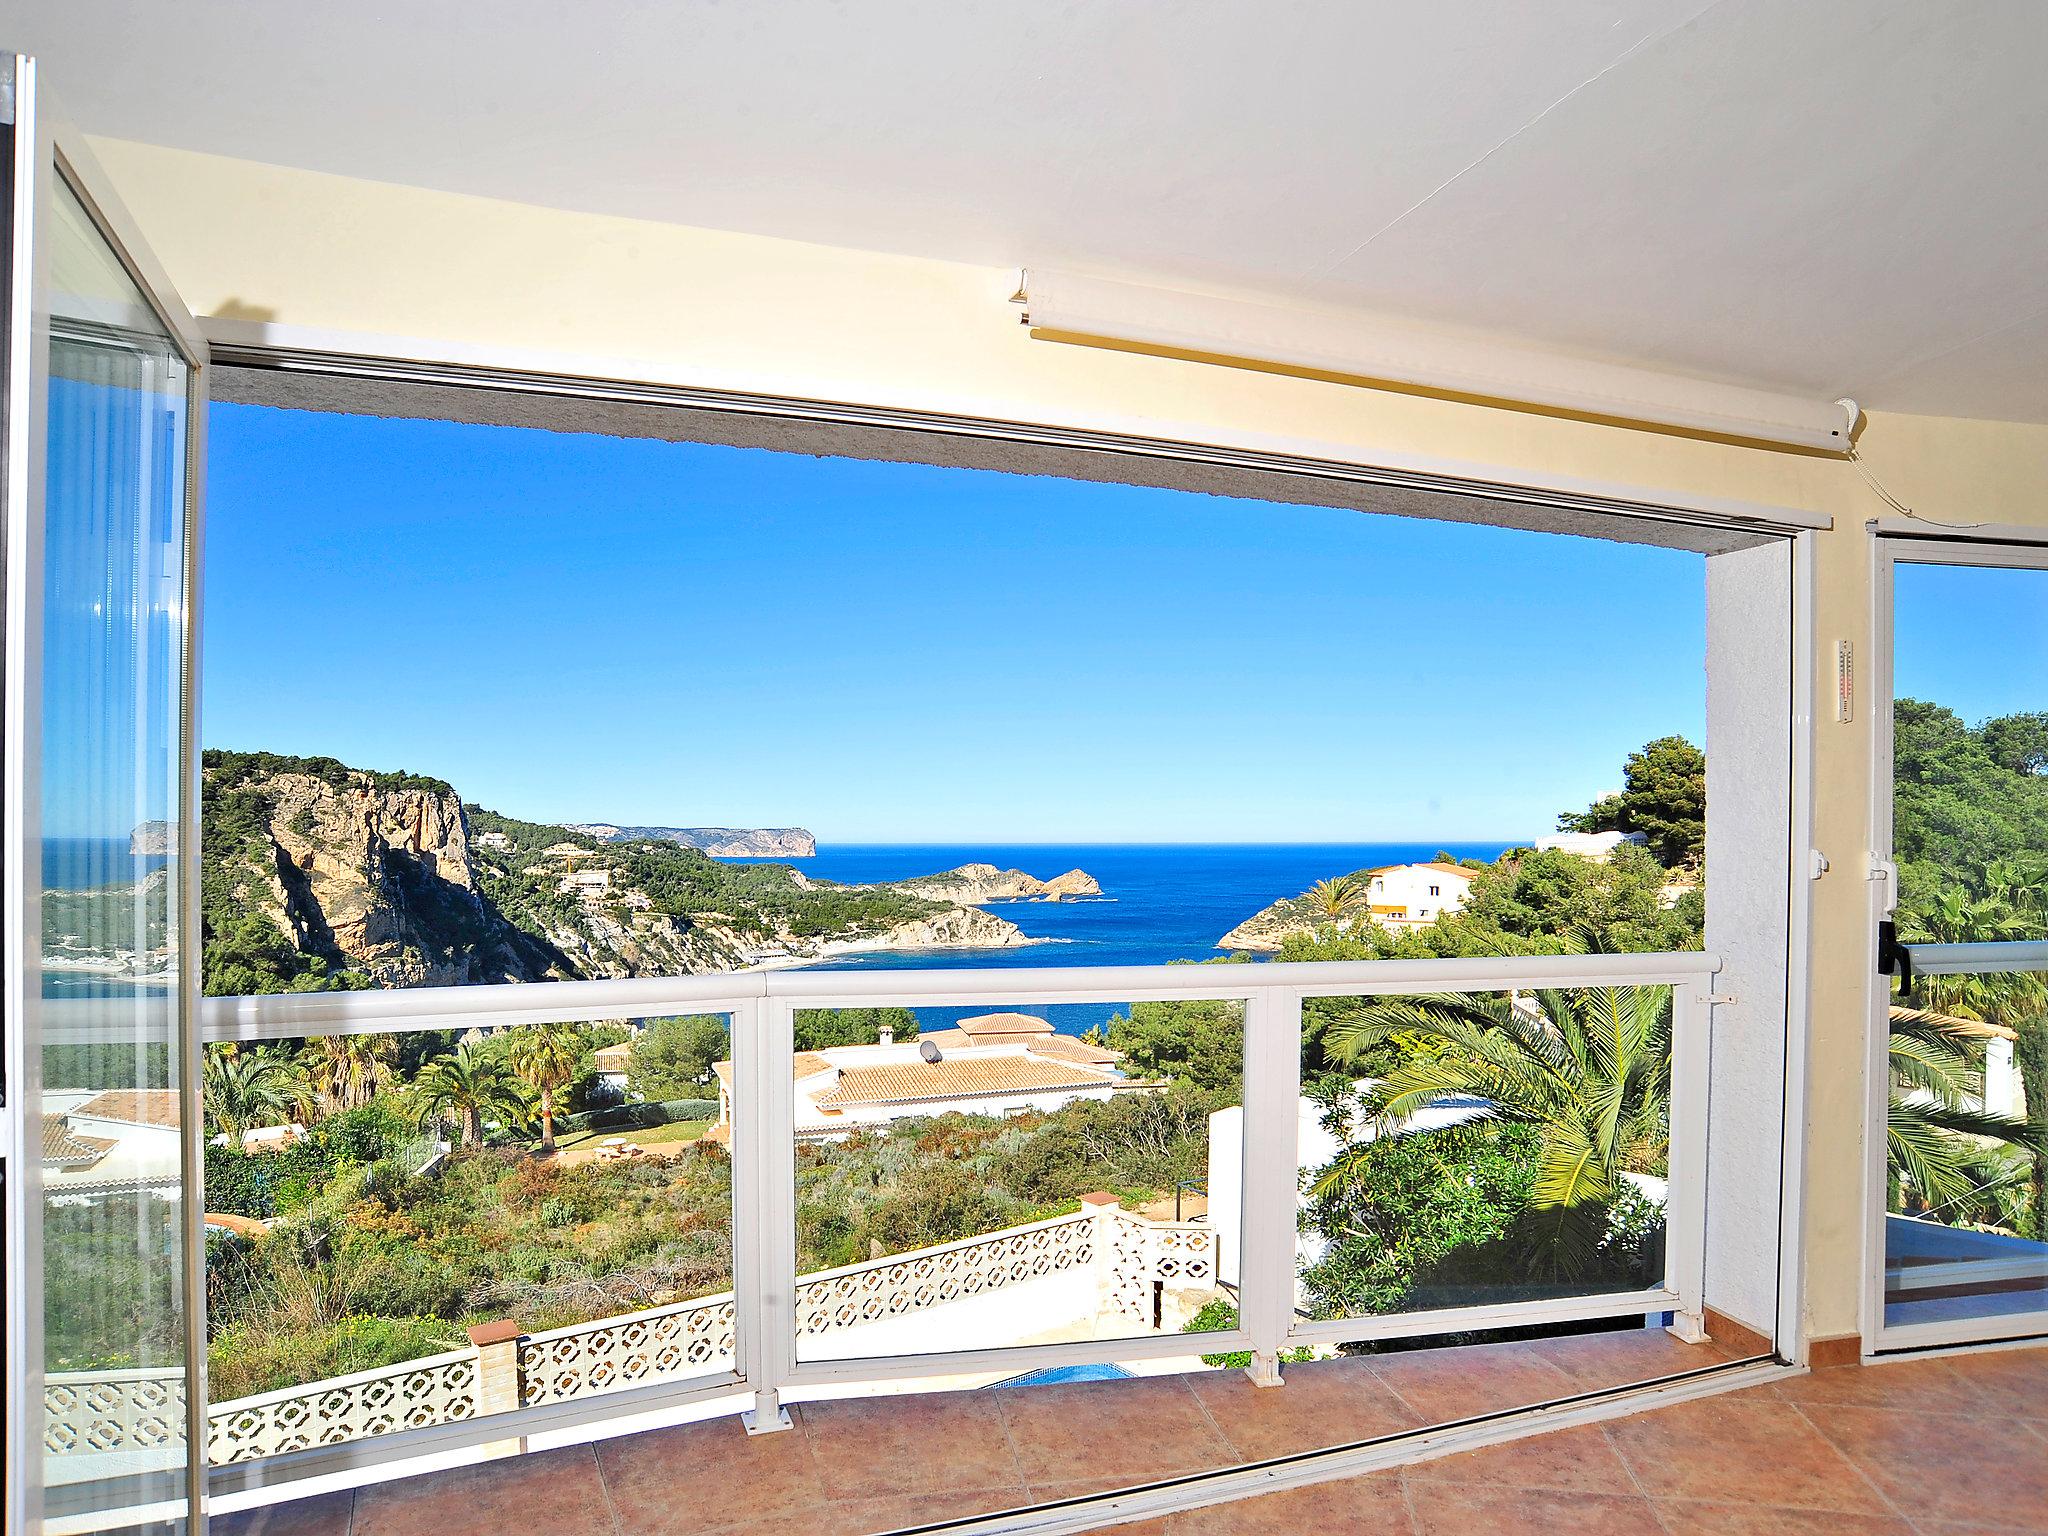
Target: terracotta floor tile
pixel 1925 1386
pixel 1743 1450
pixel 1695 1517
pixel 1577 1459
pixel 1943 1469
pixel 1374 1505
pixel 325 1514
pixel 1320 1403
pixel 901 1445
pixel 484 1500
pixel 1625 1357
pixel 1452 1509
pixel 1445 1384
pixel 868 1517
pixel 681 1481
pixel 2008 1380
pixel 1123 1431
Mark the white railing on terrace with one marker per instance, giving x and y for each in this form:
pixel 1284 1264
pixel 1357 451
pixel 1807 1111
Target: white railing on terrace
pixel 116 1412
pixel 746 1342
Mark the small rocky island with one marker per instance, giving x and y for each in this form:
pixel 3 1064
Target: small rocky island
pixel 974 884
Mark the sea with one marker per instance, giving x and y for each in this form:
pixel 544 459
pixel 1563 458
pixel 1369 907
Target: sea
pixel 1160 902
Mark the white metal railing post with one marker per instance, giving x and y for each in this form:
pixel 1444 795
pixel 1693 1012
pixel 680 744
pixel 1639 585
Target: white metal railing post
pixel 1272 1094
pixel 764 1198
pixel 1685 1194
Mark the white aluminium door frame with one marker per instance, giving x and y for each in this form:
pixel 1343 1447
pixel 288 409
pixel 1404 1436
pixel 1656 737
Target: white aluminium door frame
pixel 1894 542
pixel 50 156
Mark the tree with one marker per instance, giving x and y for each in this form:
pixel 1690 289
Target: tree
pixel 1590 1070
pixel 1966 798
pixel 1933 1110
pixel 1663 796
pixel 545 1057
pixel 347 1070
pixel 1344 896
pixel 1194 1040
pixel 817 1029
pixel 672 1058
pixel 467 1084
pixel 2018 743
pixel 2015 1002
pixel 241 1090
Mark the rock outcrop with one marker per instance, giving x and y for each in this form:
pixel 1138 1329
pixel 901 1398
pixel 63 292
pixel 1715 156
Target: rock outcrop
pixel 1268 928
pixel 317 872
pixel 972 884
pixel 366 875
pixel 719 842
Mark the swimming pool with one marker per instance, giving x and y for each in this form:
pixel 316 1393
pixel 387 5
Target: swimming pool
pixel 1060 1373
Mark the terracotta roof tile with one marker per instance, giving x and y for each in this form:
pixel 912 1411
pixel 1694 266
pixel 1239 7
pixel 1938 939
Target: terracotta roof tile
pixel 984 1025
pixel 63 1145
pixel 1073 1048
pixel 135 1106
pixel 905 1082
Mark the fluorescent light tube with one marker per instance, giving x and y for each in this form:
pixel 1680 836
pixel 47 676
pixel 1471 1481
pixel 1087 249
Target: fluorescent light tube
pixel 1073 307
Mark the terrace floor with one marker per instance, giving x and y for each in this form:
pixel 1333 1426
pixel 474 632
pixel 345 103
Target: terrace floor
pixel 1932 1447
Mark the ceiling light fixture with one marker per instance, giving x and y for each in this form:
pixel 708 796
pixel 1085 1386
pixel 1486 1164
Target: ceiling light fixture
pixel 1258 333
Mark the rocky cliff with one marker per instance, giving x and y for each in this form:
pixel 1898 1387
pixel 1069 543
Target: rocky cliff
pixel 317 874
pixel 314 873
pixel 972 884
pixel 719 842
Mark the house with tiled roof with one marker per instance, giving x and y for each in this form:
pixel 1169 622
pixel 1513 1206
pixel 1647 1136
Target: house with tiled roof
pixel 997 1065
pixel 121 1139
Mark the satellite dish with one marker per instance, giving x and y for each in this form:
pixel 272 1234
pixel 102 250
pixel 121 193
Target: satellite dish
pixel 927 1050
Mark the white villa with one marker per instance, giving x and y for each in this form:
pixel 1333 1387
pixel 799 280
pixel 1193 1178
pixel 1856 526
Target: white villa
pixel 996 1064
pixel 1415 895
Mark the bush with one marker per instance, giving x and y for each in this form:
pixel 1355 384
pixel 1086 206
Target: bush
pixel 637 1117
pixel 1220 1316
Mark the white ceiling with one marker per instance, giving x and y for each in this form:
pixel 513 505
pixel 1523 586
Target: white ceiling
pixel 1835 196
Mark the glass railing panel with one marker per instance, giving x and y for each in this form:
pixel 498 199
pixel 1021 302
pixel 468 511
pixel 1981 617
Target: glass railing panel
pixel 1476 1150
pixel 993 1181
pixel 418 1228
pixel 1966 1167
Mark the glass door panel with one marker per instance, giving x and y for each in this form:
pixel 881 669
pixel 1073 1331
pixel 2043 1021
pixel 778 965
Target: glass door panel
pixel 99 731
pixel 1965 1222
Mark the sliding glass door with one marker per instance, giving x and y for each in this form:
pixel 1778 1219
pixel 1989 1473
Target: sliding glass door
pixel 104 373
pixel 1959 1236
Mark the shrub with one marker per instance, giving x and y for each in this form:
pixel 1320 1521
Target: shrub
pixel 637 1117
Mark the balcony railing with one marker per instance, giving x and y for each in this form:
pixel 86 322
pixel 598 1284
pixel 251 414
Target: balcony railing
pixel 116 1413
pixel 746 1341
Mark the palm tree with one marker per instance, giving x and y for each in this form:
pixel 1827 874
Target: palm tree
pixel 2017 1001
pixel 1590 1069
pixel 348 1070
pixel 1933 1113
pixel 545 1058
pixel 243 1090
pixel 1336 899
pixel 468 1085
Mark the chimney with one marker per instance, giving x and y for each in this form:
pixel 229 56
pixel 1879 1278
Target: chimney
pixel 887 1034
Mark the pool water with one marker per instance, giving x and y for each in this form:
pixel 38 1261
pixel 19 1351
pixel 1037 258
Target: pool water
pixel 1060 1373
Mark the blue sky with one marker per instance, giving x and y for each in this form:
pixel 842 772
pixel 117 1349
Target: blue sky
pixel 1972 637
pixel 572 627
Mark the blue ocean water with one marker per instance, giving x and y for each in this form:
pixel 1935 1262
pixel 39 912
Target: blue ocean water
pixel 86 863
pixel 1160 901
